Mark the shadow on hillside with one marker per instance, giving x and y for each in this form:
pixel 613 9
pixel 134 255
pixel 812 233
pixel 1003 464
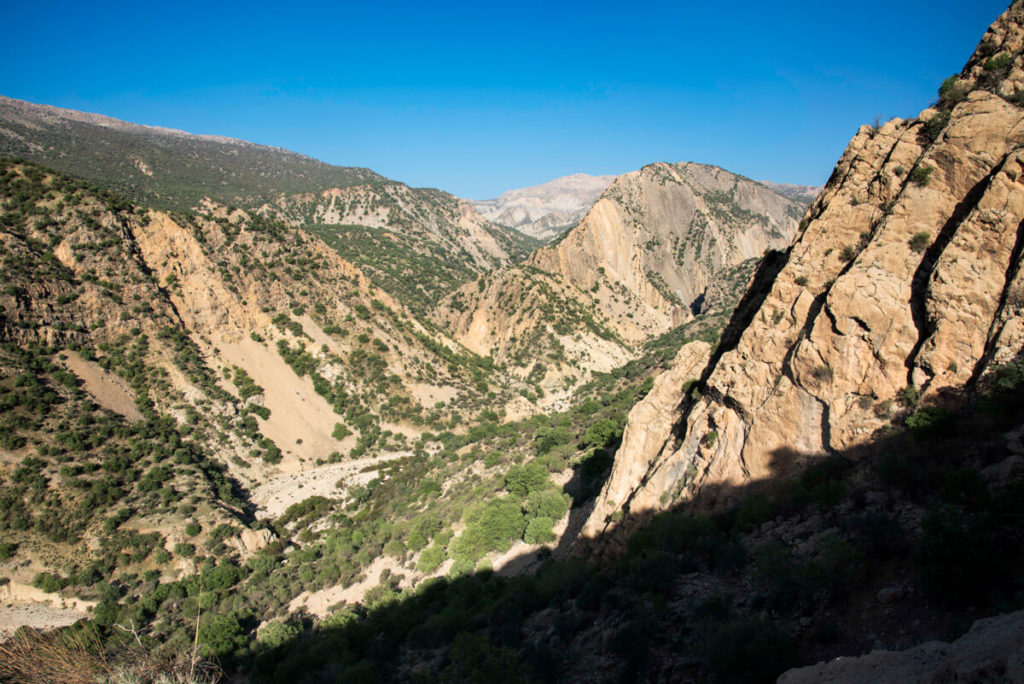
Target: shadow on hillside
pixel 573 620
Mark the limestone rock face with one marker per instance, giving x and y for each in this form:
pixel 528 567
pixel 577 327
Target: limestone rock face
pixel 648 426
pixel 993 650
pixel 650 253
pixel 905 274
pixel 657 237
pixel 543 211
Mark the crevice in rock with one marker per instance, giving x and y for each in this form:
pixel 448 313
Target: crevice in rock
pixel 1012 270
pixel 923 274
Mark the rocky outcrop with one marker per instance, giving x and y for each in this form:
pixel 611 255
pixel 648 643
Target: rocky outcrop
pixel 992 651
pixel 655 240
pixel 645 259
pixel 543 211
pixel 903 283
pixel 649 425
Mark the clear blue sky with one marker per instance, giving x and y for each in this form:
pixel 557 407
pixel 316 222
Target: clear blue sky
pixel 478 98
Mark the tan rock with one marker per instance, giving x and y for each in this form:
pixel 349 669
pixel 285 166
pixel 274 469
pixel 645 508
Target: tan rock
pixel 907 273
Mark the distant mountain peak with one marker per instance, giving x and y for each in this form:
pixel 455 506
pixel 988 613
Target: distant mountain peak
pixel 543 211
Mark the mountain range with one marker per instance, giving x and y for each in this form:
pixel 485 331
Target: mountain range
pixel 313 424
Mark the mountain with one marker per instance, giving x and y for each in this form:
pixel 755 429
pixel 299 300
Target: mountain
pixel 799 193
pixel 384 226
pixel 640 263
pixel 162 167
pixel 799 437
pixel 903 289
pixel 543 211
pixel 417 243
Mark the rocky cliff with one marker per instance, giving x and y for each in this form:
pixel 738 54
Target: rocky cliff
pixel 904 285
pixel 640 263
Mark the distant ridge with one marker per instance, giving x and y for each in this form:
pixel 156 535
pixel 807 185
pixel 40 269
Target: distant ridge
pixel 163 167
pixel 546 210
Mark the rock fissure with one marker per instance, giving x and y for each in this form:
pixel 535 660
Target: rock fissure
pixel 1012 271
pixel 930 259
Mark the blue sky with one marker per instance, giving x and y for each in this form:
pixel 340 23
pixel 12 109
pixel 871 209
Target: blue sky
pixel 478 98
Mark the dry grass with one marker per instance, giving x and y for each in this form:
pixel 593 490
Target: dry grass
pixel 78 657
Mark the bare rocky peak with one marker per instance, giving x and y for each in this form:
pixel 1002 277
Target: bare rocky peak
pixel 656 238
pixel 643 260
pixel 904 284
pixel 543 211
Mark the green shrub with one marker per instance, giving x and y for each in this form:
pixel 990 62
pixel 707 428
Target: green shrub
pixel 276 633
pixel 538 531
pixel 750 651
pixel 220 635
pixel 521 480
pixel 952 92
pixel 1000 64
pixel 430 559
pixel 547 503
pixel 920 174
pixel 919 242
pixel 934 126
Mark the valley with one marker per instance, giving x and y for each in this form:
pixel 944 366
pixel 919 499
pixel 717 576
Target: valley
pixel 287 421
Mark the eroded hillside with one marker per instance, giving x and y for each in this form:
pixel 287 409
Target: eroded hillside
pixel 418 244
pixel 639 264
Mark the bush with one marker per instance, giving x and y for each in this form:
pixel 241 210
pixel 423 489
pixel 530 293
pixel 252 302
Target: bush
pixel 920 174
pixel 952 92
pixel 547 503
pixel 959 559
pixel 1000 64
pixel 919 242
pixel 538 531
pixel 934 126
pixel 430 559
pixel 220 635
pixel 521 480
pixel 276 633
pixel 750 651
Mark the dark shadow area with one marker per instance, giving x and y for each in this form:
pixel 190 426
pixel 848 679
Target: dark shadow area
pixel 909 538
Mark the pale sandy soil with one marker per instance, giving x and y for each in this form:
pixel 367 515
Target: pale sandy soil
pixel 319 602
pixel 297 412
pixel 24 605
pixel 110 391
pixel 279 492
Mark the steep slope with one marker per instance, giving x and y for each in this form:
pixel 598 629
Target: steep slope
pixel 639 264
pixel 543 211
pixel 161 167
pixel 416 243
pixel 904 283
pixel 147 357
